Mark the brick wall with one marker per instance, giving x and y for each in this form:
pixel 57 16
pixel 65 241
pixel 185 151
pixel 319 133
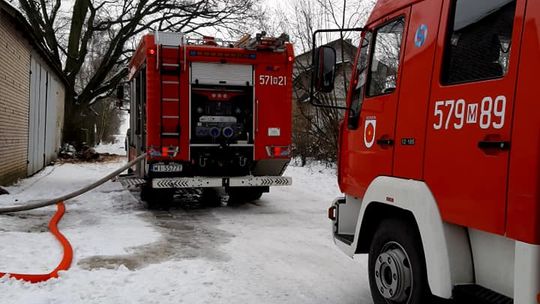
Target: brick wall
pixel 14 99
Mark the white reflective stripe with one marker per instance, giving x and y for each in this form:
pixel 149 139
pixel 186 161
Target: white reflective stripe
pixel 210 182
pixel 187 182
pixel 260 181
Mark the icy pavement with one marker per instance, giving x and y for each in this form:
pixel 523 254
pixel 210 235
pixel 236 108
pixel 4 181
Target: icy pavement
pixel 275 250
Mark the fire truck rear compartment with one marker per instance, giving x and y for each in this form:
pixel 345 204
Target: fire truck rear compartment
pixel 221 119
pixel 221 115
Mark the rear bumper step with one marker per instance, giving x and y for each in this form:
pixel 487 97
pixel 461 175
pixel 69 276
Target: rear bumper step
pixel 212 182
pixel 131 181
pixel 479 295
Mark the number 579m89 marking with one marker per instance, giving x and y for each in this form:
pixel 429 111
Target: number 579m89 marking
pixel 455 114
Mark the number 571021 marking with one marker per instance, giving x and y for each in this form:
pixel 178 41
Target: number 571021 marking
pixel 272 80
pixel 454 114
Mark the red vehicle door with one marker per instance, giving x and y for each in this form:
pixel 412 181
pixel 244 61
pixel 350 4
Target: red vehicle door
pixel 367 145
pixel 471 109
pixel 416 76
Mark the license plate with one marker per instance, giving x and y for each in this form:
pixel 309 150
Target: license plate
pixel 167 168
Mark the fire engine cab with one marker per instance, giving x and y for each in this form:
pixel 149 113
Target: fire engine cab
pixel 210 114
pixel 439 157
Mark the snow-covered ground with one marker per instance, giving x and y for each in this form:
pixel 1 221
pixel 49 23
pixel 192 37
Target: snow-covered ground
pixel 275 250
pixel 118 147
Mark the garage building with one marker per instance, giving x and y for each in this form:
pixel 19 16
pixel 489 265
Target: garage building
pixel 32 96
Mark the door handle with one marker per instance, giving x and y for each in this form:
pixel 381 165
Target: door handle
pixel 385 142
pixel 499 145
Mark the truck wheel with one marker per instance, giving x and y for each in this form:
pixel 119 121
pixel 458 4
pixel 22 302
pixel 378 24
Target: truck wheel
pixel 240 195
pixel 210 198
pixel 254 194
pixel 156 198
pixel 397 271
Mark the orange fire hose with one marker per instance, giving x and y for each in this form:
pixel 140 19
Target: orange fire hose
pixel 68 252
pixel 61 209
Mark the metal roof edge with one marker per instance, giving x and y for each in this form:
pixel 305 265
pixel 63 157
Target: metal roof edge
pixel 27 31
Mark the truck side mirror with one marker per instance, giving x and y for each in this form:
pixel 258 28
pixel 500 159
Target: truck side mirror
pixel 325 69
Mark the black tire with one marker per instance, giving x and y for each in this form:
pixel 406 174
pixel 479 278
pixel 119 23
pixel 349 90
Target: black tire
pixel 397 268
pixel 156 198
pixel 210 197
pixel 254 194
pixel 239 195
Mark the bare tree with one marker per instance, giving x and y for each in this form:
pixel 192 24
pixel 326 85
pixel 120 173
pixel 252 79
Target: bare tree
pixel 71 37
pixel 108 122
pixel 316 130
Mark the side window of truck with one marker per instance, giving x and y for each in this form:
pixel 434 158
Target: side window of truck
pixel 479 40
pixel 360 82
pixel 385 58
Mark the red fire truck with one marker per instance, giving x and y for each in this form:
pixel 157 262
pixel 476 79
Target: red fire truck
pixel 210 115
pixel 439 154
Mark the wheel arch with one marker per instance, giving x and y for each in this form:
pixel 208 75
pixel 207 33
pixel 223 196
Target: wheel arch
pixel 389 196
pixel 374 214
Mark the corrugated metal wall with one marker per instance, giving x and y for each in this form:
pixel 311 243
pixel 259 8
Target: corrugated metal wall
pixel 36 140
pixel 14 98
pixel 46 116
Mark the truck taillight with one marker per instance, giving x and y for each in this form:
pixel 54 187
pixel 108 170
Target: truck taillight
pixel 277 151
pixel 332 213
pixel 152 52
